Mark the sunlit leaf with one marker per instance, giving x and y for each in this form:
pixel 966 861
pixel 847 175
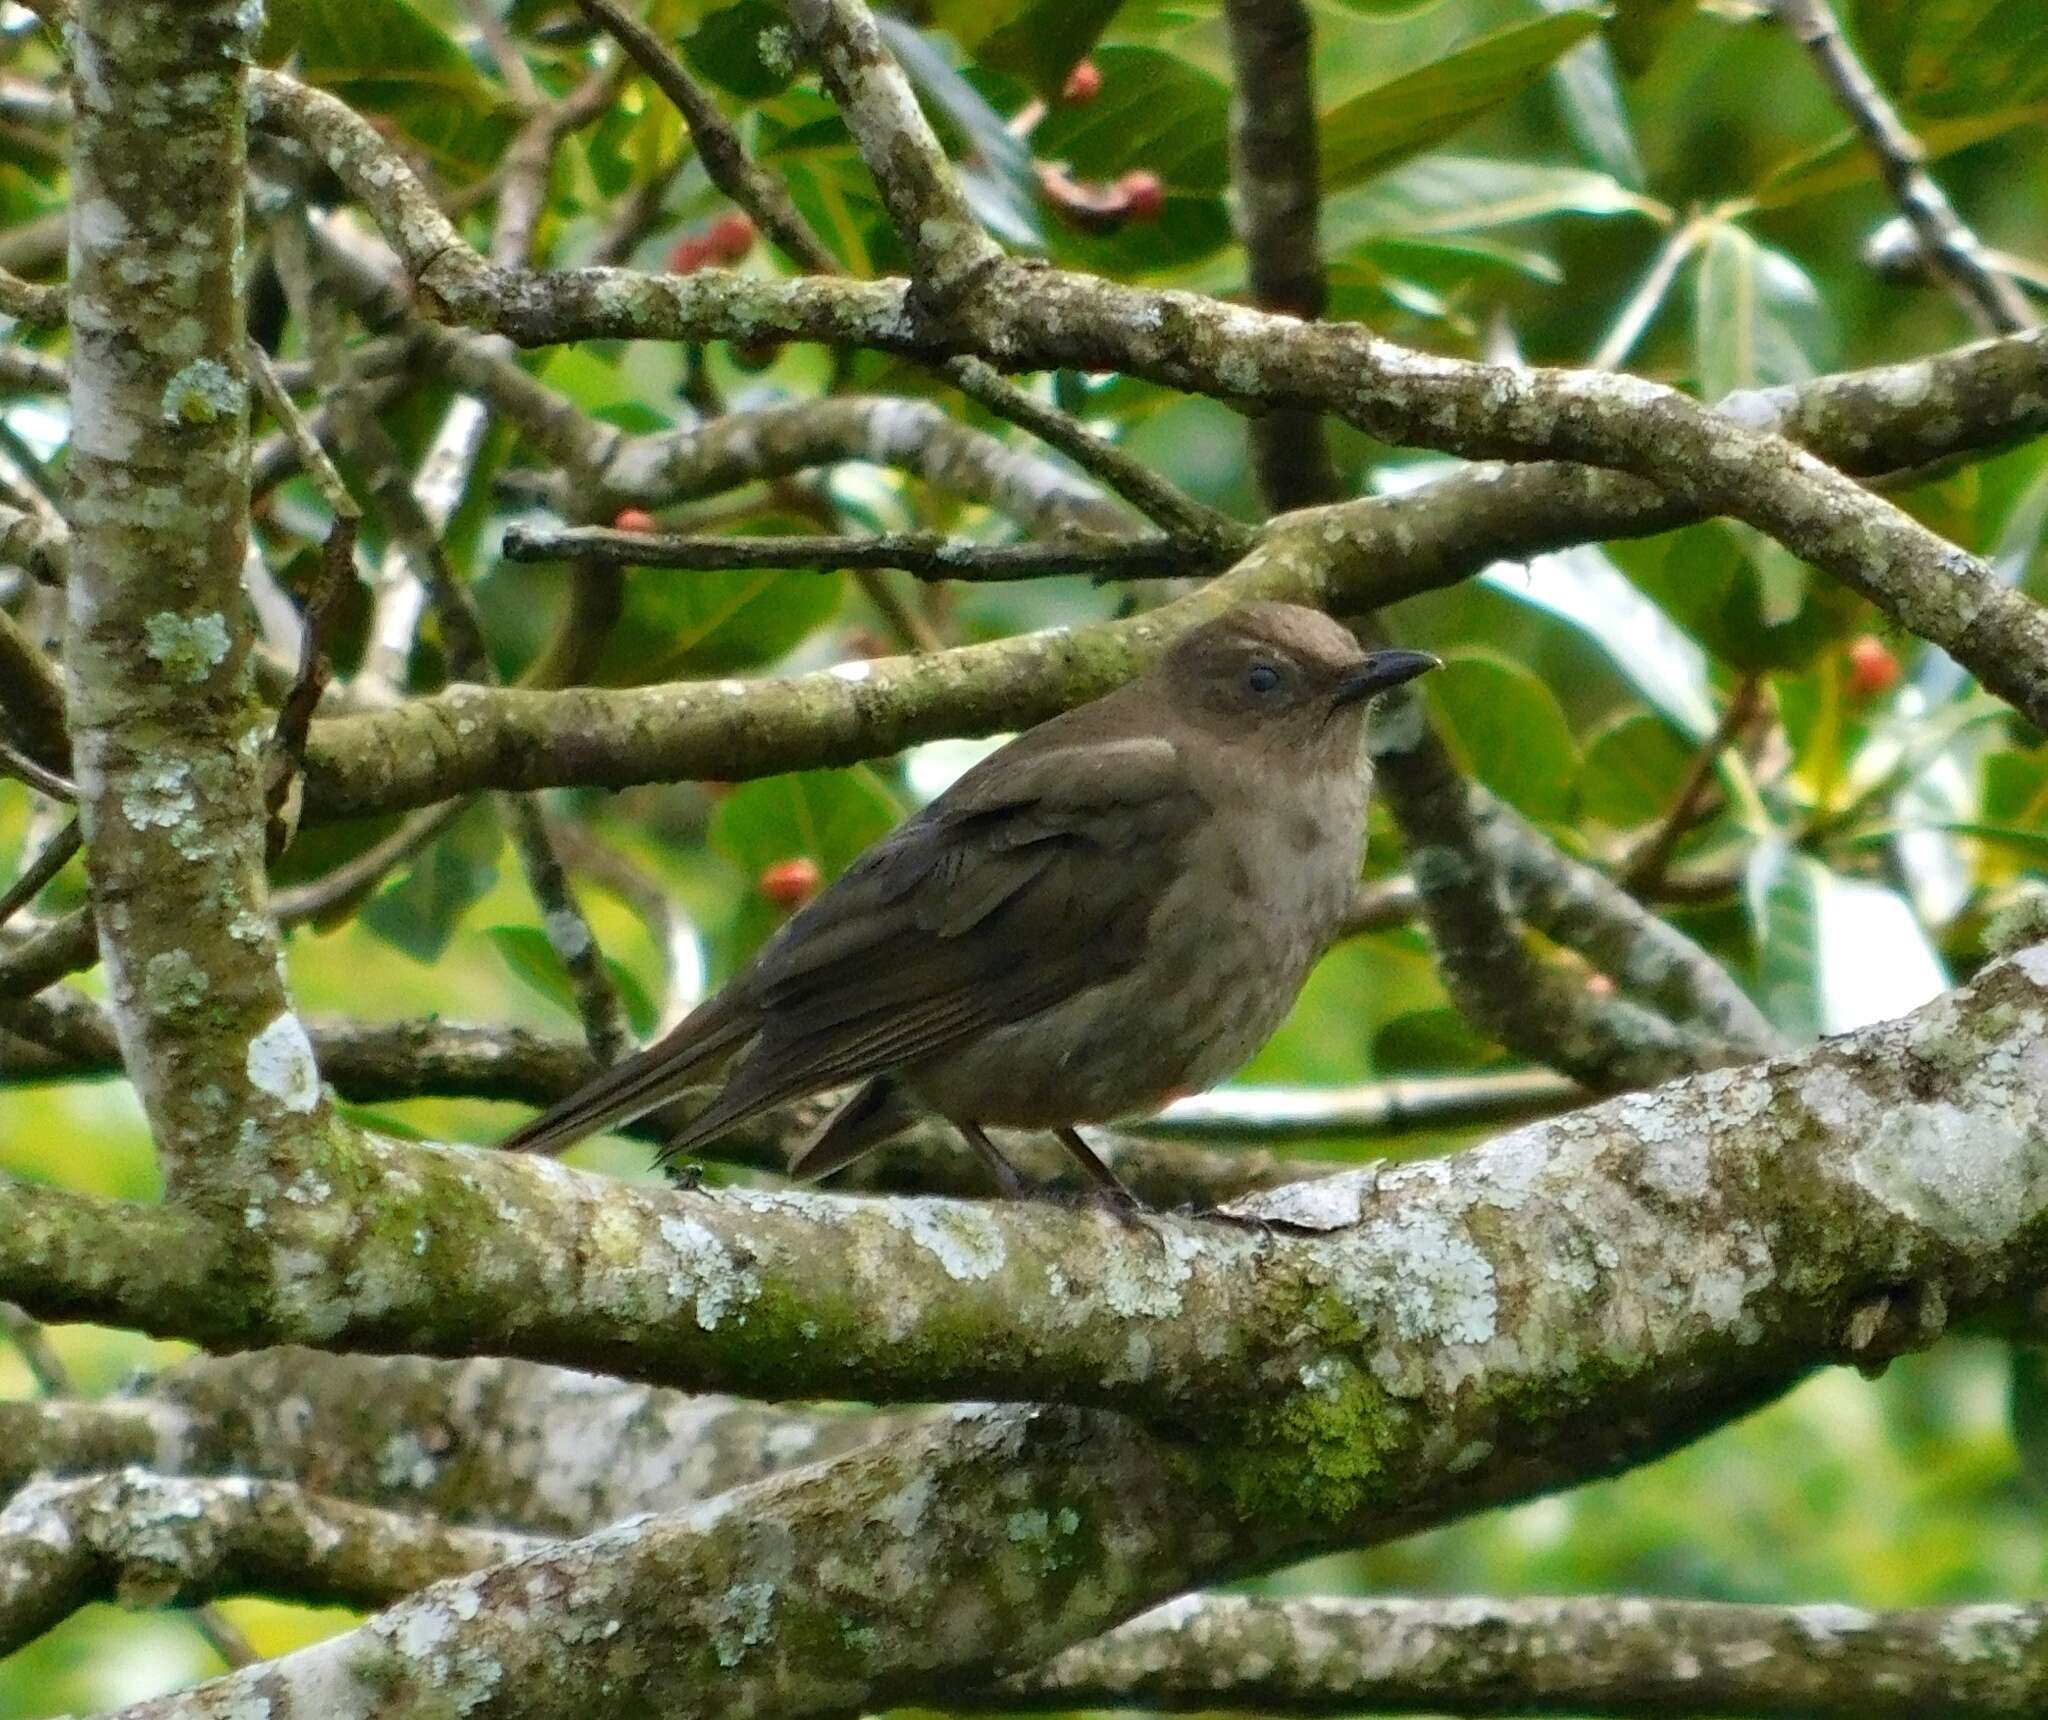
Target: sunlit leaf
pixel 1833 952
pixel 1379 127
pixel 1593 106
pixel 1757 319
pixel 1005 185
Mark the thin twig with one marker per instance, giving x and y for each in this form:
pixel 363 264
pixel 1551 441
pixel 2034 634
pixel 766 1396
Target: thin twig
pixel 1951 247
pixel 929 555
pixel 39 306
pixel 337 574
pixel 37 874
pixel 355 877
pixel 1644 870
pixel 19 765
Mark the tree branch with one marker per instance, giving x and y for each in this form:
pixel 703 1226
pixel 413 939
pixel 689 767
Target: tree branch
pixel 168 743
pixel 1597 1656
pixel 148 1539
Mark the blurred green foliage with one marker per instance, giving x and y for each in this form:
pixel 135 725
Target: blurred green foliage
pixel 1660 184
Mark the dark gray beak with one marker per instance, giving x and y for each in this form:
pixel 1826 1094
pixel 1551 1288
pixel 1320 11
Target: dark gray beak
pixel 1381 670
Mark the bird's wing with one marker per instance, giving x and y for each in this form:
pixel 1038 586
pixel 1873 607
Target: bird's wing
pixel 1020 887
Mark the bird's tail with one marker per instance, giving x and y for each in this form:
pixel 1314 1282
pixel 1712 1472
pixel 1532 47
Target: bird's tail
pixel 642 1083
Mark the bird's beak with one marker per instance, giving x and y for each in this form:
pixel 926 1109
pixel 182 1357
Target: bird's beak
pixel 1381 670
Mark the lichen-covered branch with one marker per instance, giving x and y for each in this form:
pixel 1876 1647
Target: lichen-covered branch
pixel 1409 1344
pixel 1532 1007
pixel 948 249
pixel 168 742
pixel 1595 1656
pixel 1904 1160
pixel 484 1442
pixel 150 1539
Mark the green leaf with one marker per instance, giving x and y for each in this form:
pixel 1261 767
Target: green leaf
pixel 1430 1042
pixel 1942 58
pixel 1036 41
pixel 525 950
pixel 1844 160
pixel 1594 110
pixel 1637 29
pixel 1155 111
pixel 1757 319
pixel 1634 769
pixel 746 49
pixel 1379 127
pixel 676 624
pixel 1741 596
pixel 419 914
pixel 1508 730
pixel 826 816
pixel 1445 194
pixel 385 58
pixel 1834 953
pixel 1582 587
pixel 998 178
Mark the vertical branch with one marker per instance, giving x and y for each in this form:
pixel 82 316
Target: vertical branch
pixel 948 250
pixel 168 739
pixel 1952 249
pixel 1274 172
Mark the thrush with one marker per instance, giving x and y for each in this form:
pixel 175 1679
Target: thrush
pixel 1115 909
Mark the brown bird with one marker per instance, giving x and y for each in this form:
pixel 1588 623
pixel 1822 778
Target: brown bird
pixel 1115 909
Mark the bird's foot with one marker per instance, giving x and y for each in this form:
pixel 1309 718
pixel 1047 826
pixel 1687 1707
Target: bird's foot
pixel 684 1174
pixel 1265 1228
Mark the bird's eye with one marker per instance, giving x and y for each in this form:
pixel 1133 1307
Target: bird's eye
pixel 1263 678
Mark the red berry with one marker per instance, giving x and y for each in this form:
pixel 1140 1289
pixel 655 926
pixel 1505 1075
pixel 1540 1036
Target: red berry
pixel 690 255
pixel 1083 85
pixel 730 237
pixel 633 520
pixel 1872 667
pixel 790 883
pixel 1143 195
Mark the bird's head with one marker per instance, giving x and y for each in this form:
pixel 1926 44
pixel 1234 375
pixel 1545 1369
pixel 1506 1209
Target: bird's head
pixel 1283 668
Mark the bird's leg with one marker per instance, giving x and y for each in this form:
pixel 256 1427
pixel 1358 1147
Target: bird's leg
pixel 1109 1188
pixel 1013 1185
